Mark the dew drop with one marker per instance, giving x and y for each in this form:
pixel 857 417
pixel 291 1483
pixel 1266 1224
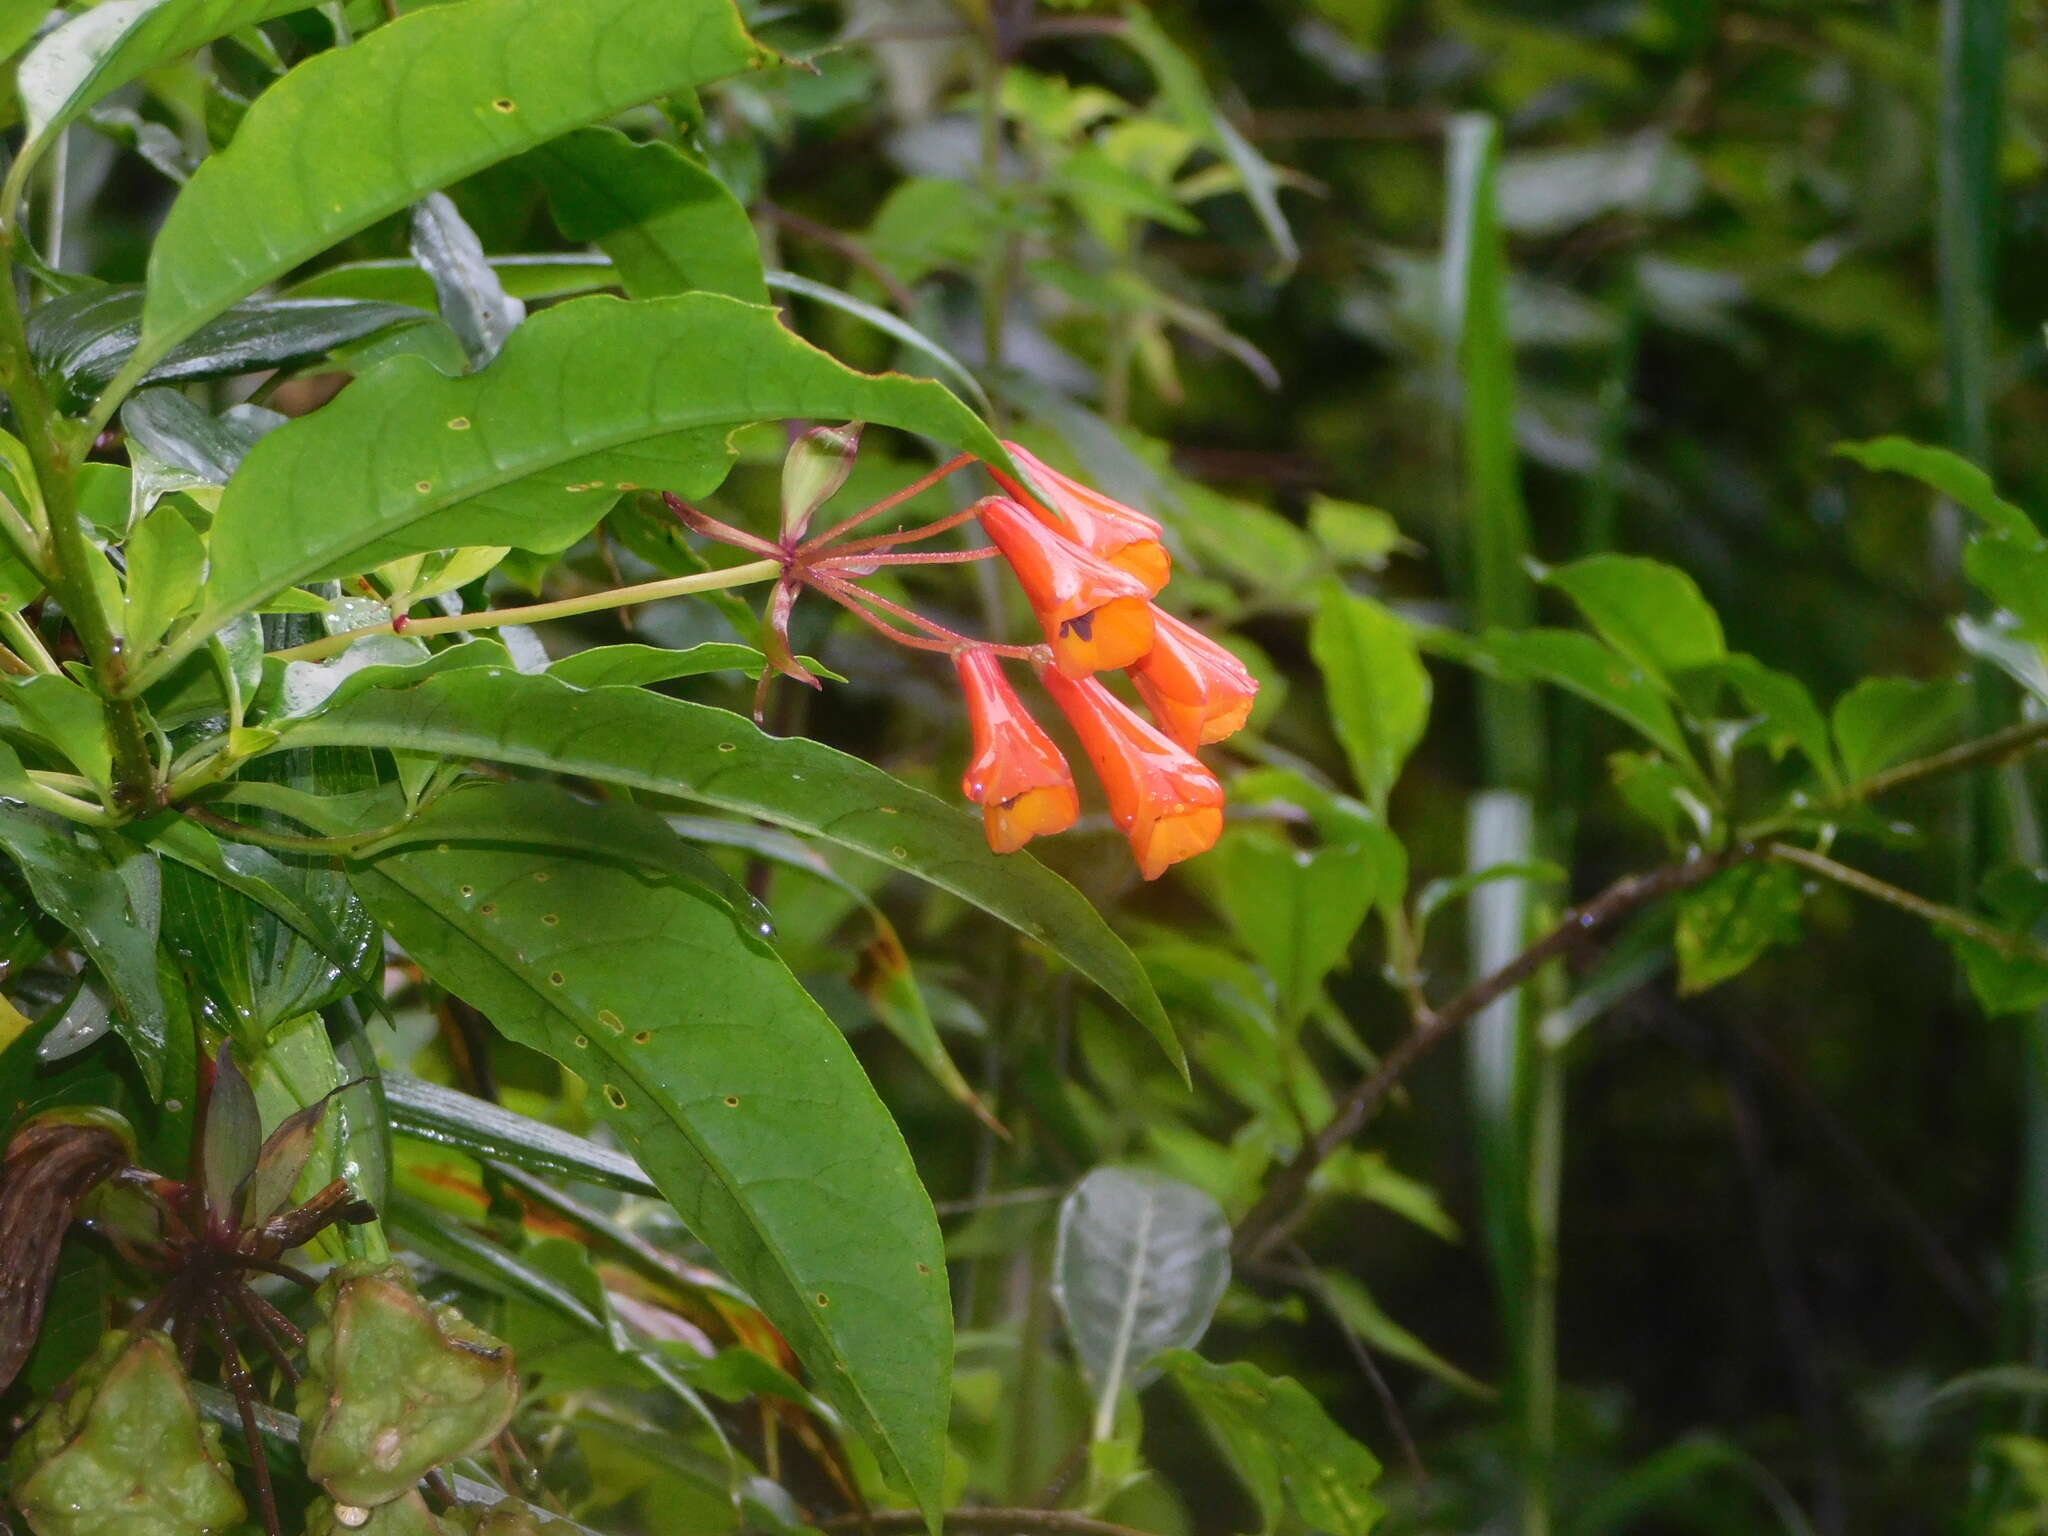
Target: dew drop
pixel 174 1106
pixel 613 1097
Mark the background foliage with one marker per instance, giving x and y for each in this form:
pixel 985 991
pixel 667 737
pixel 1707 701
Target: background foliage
pixel 1424 326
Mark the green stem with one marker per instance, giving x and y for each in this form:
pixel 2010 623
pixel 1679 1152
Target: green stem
pixel 54 451
pixel 27 644
pixel 2014 946
pixel 535 613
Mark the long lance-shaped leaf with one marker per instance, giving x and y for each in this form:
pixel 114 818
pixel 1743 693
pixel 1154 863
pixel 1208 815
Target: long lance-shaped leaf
pixel 352 135
pixel 588 399
pixel 673 747
pixel 733 1089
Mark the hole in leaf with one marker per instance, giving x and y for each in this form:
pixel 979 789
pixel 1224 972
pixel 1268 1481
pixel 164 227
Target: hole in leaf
pixel 732 1101
pixel 504 104
pixel 458 424
pixel 613 1097
pixel 642 1037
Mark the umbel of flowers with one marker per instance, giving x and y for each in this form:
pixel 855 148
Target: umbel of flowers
pixel 1089 567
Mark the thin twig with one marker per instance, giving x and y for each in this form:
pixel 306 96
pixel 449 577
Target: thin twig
pixel 244 1391
pixel 1279 1210
pixel 2014 946
pixel 901 299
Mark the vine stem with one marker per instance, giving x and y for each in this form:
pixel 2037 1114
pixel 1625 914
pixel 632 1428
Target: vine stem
pixel 535 613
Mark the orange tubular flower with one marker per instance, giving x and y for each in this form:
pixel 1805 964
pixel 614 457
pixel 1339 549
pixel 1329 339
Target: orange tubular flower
pixel 1124 536
pixel 1166 802
pixel 1095 616
pixel 1017 776
pixel 1196 690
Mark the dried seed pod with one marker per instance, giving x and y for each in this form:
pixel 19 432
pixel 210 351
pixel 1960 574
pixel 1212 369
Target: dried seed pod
pixel 121 1450
pixel 395 1387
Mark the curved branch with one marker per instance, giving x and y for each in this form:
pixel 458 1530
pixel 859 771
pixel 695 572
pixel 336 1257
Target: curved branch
pixel 1280 1209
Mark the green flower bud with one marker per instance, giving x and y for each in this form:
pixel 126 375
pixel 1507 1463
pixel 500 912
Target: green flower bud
pixel 394 1387
pixel 121 1450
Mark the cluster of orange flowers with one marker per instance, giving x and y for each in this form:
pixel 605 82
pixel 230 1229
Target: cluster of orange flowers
pixel 1090 567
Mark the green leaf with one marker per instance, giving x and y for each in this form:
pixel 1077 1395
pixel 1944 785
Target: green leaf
pixel 1579 664
pixel 2017 900
pixel 670 746
pixel 1379 691
pixel 1292 1457
pixel 587 399
pixel 82 339
pixel 883 977
pixel 634 665
pixel 472 301
pixel 1884 719
pixel 19 22
pixel 1948 474
pixel 1141 1263
pixel 450 1118
pixel 1296 910
pixel 350 136
pixel 1727 924
pixel 2014 575
pixel 1650 612
pixel 736 1093
pixel 1356 1306
pixel 668 224
pixel 1188 100
pixel 1787 716
pixel 113 918
pixel 69 717
pixel 166 564
pixel 93 55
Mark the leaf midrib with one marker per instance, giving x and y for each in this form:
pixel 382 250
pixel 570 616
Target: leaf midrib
pixel 595 1034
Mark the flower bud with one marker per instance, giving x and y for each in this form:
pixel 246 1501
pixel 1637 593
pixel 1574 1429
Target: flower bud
pixel 394 1387
pixel 121 1450
pixel 817 466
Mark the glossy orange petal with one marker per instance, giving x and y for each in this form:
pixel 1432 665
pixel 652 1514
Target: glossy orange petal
pixel 1122 535
pixel 1016 775
pixel 1095 616
pixel 1196 690
pixel 1168 805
